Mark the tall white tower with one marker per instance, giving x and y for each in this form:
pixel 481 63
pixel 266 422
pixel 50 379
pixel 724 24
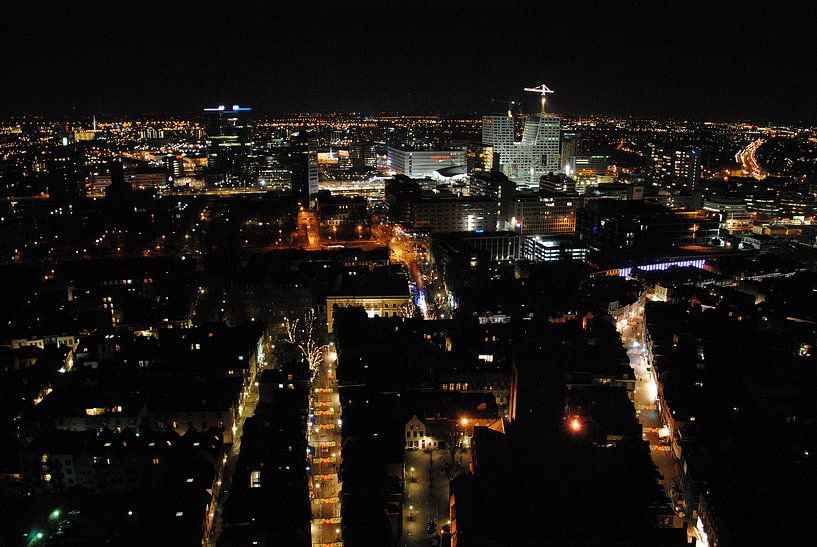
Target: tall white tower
pixel 497 131
pixel 536 154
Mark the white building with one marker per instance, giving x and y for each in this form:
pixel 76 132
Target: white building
pixel 535 155
pixel 422 163
pixel 733 215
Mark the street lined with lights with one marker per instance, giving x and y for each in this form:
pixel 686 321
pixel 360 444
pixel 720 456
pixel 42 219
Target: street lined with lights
pixel 645 399
pixel 324 437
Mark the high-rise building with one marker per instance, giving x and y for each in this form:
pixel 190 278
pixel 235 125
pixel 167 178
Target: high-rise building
pixel 230 134
pixel 570 148
pixel 303 161
pixel 535 155
pixel 64 173
pixel 681 168
pixel 498 133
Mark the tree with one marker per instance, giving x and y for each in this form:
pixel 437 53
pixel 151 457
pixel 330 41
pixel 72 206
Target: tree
pixel 304 334
pixel 407 309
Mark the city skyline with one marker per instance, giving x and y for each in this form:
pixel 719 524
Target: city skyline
pixel 687 60
pixel 356 274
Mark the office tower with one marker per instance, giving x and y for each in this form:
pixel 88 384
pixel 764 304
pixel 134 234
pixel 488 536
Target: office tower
pixel 688 167
pixel 230 160
pixel 539 150
pixel 570 148
pixel 65 172
pixel 498 133
pixel 303 161
pixel 681 168
pixel 535 155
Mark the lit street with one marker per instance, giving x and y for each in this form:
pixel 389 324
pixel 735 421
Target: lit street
pixel 748 161
pixel 222 492
pixel 325 440
pixel 645 401
pixel 427 493
pixel 432 295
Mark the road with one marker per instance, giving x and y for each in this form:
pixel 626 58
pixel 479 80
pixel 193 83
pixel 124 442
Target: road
pixel 426 495
pixel 325 441
pixel 748 160
pixel 431 293
pixel 221 490
pixel 645 401
pixel 308 229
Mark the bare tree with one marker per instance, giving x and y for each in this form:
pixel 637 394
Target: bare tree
pixel 407 310
pixel 304 334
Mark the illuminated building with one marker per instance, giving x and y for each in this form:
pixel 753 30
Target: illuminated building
pixel 382 292
pixel 681 167
pixel 557 183
pixel 173 165
pixel 589 165
pixel 449 213
pixel 535 155
pixel 479 157
pixel 553 248
pixel 543 213
pixel 571 147
pixel 341 211
pixel 732 213
pixel 303 160
pixel 229 142
pixel 422 163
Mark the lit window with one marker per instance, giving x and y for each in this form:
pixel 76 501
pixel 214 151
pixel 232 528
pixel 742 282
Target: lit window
pixel 255 479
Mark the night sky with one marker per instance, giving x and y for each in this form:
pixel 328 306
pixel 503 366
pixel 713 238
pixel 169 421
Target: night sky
pixel 655 58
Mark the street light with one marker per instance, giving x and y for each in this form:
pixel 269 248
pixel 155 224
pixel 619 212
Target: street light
pixel 575 425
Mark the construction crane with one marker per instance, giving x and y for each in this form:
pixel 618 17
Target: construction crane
pixel 510 104
pixel 543 90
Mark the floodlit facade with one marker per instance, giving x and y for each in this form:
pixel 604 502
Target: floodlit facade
pixel 423 163
pixel 535 155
